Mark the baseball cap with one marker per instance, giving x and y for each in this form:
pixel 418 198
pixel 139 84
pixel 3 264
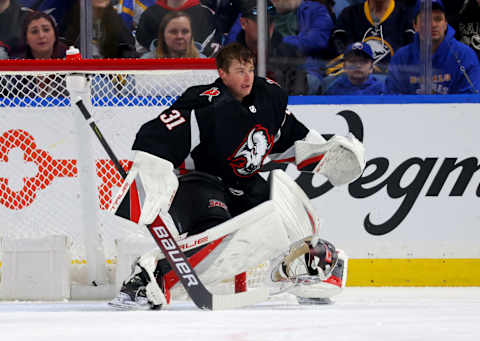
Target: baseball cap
pixel 249 9
pixel 359 47
pixel 436 4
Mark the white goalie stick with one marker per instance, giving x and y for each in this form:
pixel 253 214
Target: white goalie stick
pixel 199 294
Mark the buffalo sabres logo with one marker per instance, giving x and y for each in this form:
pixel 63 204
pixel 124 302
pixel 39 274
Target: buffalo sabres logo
pixel 249 156
pixel 382 50
pixel 213 92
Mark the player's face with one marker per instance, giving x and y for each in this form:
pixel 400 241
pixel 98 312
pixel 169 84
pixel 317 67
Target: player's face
pixel 238 78
pixel 358 68
pixel 178 34
pixel 41 38
pixel 439 25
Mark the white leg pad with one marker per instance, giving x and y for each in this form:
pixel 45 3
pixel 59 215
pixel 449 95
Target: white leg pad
pixel 256 242
pixel 294 206
pixel 253 237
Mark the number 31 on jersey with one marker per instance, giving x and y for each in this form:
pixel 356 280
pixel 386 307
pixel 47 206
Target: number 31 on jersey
pixel 172 119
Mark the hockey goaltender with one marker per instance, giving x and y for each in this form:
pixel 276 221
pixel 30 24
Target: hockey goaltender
pixel 199 164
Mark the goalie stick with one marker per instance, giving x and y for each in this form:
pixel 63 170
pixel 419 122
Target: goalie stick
pixel 199 294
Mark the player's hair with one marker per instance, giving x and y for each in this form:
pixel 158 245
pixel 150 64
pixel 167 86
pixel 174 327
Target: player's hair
pixel 231 52
pixel 162 48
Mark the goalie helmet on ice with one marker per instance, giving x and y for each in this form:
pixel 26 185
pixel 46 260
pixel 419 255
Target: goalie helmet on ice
pixel 313 270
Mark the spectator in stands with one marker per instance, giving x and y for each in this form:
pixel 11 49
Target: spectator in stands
pixel 456 68
pixel 56 8
pixel 203 23
pixel 284 65
pixel 226 12
pixel 175 38
pixel 357 79
pixel 41 38
pixel 111 38
pixel 131 10
pixel 341 4
pixel 41 42
pixel 11 19
pixel 410 6
pixel 306 25
pixel 467 24
pixel 383 24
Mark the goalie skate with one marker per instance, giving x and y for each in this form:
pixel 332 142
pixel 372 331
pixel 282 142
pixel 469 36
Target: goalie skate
pixel 131 297
pixel 133 294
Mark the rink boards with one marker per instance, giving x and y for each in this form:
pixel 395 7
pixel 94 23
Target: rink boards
pixel 411 219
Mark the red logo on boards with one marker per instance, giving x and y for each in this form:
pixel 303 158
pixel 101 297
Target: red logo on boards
pixel 47 168
pixel 43 171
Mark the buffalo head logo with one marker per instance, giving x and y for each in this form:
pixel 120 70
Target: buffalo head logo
pixel 249 156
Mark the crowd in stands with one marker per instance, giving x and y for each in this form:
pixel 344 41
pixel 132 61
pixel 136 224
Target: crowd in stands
pixel 330 47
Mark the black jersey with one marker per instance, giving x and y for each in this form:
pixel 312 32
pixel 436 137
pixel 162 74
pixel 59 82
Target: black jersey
pixel 207 130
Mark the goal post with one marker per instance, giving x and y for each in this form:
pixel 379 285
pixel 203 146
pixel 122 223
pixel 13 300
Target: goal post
pixel 55 179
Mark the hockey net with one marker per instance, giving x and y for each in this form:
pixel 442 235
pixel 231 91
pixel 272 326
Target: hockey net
pixel 55 178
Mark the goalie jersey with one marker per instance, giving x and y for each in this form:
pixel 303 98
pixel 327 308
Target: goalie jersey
pixel 208 130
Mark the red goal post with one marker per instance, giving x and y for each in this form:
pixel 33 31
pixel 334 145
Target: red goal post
pixel 54 177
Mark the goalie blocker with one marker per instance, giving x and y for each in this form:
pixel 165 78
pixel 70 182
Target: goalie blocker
pixel 283 230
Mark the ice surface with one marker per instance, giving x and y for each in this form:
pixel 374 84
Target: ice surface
pixel 371 314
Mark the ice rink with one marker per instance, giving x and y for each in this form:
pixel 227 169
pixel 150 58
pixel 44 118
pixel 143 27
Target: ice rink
pixel 387 314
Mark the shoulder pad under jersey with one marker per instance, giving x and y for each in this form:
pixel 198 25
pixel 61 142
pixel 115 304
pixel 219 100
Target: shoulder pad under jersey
pixel 271 89
pixel 200 96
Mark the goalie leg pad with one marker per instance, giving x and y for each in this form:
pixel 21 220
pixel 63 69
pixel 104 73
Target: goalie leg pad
pixel 253 237
pixel 155 183
pixel 248 239
pixel 295 208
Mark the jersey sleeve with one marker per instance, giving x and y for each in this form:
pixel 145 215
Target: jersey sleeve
pixel 291 129
pixel 167 136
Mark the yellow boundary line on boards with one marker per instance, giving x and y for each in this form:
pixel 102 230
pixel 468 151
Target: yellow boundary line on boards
pixel 413 272
pixel 403 272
